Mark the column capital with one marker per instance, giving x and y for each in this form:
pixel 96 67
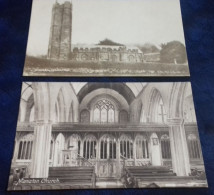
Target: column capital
pixel 43 122
pixel 175 121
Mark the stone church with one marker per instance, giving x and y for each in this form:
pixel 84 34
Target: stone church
pixel 107 135
pixel 60 47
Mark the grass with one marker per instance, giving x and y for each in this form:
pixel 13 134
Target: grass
pixel 42 67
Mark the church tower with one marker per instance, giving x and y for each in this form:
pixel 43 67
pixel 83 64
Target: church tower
pixel 60 32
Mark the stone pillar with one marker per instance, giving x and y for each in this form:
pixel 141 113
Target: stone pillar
pixel 41 150
pixel 81 147
pixel 118 157
pixel 134 153
pixel 179 149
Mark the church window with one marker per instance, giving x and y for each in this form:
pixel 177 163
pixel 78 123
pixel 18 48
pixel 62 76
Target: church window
pixel 126 147
pixel 193 147
pixel 25 147
pixel 165 147
pixel 104 112
pixel 131 58
pixel 89 147
pixel 142 150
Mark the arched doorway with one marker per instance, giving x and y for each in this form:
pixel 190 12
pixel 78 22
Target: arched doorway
pixel 108 152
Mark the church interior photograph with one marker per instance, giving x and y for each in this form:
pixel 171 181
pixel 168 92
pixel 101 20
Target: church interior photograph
pixel 74 135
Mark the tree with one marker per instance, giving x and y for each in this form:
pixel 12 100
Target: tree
pixel 148 48
pixel 173 52
pixel 109 42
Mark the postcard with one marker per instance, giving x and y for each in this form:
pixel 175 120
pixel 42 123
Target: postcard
pixel 106 38
pixel 106 135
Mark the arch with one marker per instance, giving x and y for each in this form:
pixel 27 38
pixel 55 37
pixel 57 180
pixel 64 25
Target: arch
pixel 108 147
pixel 142 147
pixel 126 146
pixel 121 88
pixel 29 116
pixel 165 147
pixel 176 101
pixel 60 108
pixel 157 112
pixel 131 58
pixel 25 147
pixel 189 110
pixel 84 57
pixel 59 146
pixel 90 147
pixel 104 111
pixel 193 146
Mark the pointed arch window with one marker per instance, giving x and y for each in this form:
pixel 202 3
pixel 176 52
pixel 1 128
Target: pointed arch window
pixel 161 117
pixel 108 147
pixel 89 147
pixel 165 147
pixel 104 112
pixel 142 147
pixel 25 147
pixel 126 147
pixel 194 147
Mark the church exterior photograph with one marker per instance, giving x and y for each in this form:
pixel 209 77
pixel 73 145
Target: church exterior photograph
pixel 75 135
pixel 106 38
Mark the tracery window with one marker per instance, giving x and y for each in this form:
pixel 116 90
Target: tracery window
pixel 193 147
pixel 104 112
pixel 165 147
pixel 126 147
pixel 108 147
pixel 25 147
pixel 142 148
pixel 89 147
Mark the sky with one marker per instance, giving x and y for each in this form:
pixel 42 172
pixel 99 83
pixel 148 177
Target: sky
pixel 123 21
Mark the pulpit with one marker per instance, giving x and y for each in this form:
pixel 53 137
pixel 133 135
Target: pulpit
pixel 69 157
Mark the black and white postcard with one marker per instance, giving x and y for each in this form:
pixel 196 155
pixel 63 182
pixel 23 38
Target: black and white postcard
pixel 106 38
pixel 106 135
